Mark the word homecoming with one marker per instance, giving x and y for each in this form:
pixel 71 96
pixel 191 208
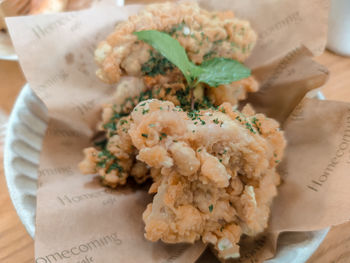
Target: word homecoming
pixel 80 250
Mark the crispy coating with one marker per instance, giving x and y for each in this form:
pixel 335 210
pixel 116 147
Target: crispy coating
pixel 214 171
pixel 233 92
pixel 203 34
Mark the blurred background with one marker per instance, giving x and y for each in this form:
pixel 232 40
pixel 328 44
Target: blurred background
pixel 15 243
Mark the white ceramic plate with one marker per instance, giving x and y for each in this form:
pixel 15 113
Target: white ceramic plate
pixel 26 129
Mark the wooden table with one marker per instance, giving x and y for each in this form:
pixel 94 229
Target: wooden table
pixel 16 246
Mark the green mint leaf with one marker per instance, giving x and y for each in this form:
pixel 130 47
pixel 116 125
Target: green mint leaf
pixel 219 71
pixel 171 49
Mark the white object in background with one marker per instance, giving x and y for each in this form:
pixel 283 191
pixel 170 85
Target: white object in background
pixel 119 2
pixel 339 27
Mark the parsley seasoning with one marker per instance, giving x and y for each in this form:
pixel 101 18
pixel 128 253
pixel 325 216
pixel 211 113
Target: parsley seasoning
pixel 122 122
pixel 199 150
pixel 257 124
pixel 217 42
pixel 209 55
pixel 114 166
pixel 110 126
pixel 216 121
pixel 145 95
pixel 151 125
pixel 193 115
pixel 167 91
pixel 183 96
pixel 107 157
pixel 101 144
pixel 118 115
pixel 162 135
pixel 176 28
pixel 211 207
pixel 144 135
pixel 156 65
pixel 250 127
pixel 143 104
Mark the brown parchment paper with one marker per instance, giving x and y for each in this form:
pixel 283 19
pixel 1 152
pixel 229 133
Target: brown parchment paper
pixel 78 220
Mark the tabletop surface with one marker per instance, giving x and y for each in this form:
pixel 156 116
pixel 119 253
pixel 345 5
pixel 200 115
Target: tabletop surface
pixel 16 246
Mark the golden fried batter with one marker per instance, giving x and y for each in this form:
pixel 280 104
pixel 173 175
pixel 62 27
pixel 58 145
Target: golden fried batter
pixel 203 34
pixel 213 170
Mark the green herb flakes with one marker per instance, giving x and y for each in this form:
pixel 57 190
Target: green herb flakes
pixel 122 122
pixel 250 127
pixel 110 126
pixel 115 166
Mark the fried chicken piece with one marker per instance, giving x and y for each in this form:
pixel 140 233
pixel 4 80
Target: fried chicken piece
pixel 203 34
pixel 233 92
pixel 214 172
pixel 116 160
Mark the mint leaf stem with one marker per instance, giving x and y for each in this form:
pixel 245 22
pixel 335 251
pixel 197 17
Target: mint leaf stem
pixel 214 72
